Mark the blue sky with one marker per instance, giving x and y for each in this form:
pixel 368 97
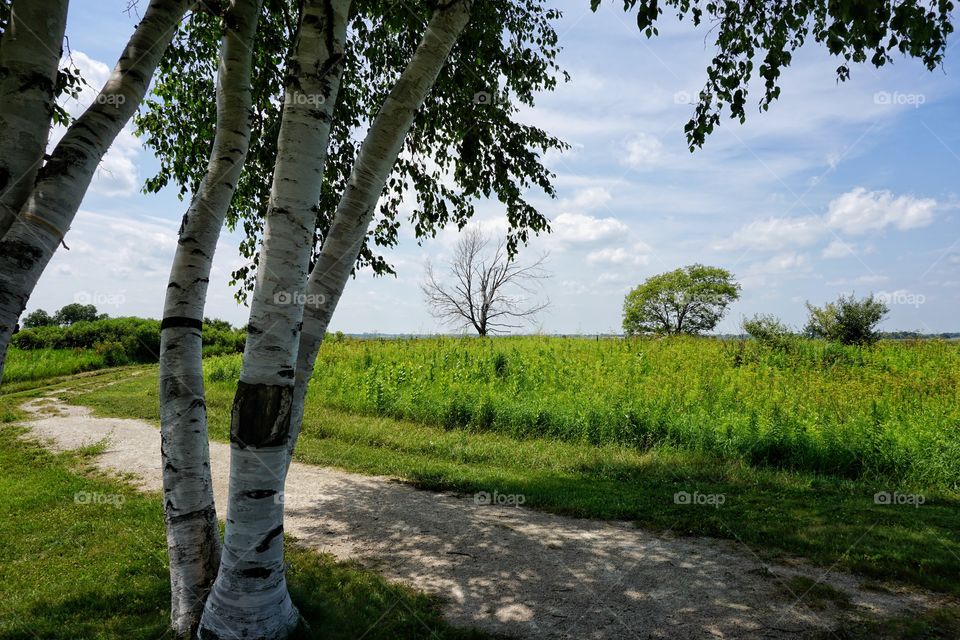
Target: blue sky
pixel 838 188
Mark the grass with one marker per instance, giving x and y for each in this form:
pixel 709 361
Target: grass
pixel 98 571
pixel 40 364
pixel 890 412
pixel 833 521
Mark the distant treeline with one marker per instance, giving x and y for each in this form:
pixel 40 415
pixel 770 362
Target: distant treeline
pixel 124 340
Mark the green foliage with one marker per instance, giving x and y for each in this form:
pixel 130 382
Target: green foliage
pixel 688 300
pixel 37 364
pixel 830 521
pixel 468 128
pixel 768 330
pixel 38 318
pixel 75 312
pixel 817 406
pixel 761 38
pixel 123 340
pixel 72 570
pixel 847 320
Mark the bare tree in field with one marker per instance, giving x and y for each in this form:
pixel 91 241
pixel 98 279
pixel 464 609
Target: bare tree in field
pixel 490 291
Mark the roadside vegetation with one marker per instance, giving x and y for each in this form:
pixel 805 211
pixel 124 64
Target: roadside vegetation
pixel 43 350
pixel 831 516
pixel 885 413
pixel 75 567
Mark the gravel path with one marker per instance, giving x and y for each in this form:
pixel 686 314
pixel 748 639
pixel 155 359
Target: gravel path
pixel 509 569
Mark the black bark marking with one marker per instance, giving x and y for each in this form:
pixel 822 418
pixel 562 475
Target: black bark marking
pixel 256 572
pixel 24 254
pixel 261 415
pixel 260 494
pixel 265 543
pixel 207 513
pixel 181 321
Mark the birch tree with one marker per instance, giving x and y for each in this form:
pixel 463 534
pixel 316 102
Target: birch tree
pixel 30 51
pixel 402 100
pixel 249 597
pixel 61 183
pixel 381 147
pixel 193 537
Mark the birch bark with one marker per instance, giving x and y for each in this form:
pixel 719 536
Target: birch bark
pixel 355 211
pixel 193 536
pixel 249 597
pixel 29 58
pixel 27 247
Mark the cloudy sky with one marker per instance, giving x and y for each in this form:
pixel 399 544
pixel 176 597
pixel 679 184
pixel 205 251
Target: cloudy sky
pixel 837 189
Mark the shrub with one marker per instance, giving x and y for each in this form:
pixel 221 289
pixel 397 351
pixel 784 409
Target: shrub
pixel 848 320
pixel 137 339
pixel 38 318
pixel 767 330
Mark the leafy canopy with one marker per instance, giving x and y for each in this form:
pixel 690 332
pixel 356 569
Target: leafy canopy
pixel 38 318
pixel 689 300
pixel 760 38
pixel 847 320
pixel 465 143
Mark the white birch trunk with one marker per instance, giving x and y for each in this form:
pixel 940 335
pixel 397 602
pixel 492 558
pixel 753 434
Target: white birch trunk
pixel 250 598
pixel 193 536
pixel 29 58
pixel 355 211
pixel 60 186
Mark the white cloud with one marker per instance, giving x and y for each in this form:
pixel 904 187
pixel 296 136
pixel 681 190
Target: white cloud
pixel 783 263
pixel 588 199
pixel 853 213
pixel 617 255
pixel 117 174
pixel 860 211
pixel 614 277
pixel 870 279
pixel 578 228
pixel 643 151
pixel 775 233
pixel 839 249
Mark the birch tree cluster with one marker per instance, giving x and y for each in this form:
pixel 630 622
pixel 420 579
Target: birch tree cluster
pixel 318 128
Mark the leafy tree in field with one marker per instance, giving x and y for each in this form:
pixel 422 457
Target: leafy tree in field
pixel 75 312
pixel 38 318
pixel 689 300
pixel 847 320
pixel 767 329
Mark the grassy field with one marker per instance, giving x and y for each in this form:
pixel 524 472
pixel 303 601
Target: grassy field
pixel 98 571
pixel 830 518
pixel 110 563
pixel 890 413
pixel 38 364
